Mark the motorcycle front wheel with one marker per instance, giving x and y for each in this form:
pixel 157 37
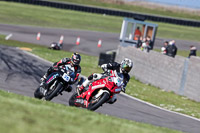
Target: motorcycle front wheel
pixel 38 94
pixel 53 92
pixel 101 101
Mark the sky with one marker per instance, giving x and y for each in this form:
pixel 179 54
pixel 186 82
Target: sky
pixel 195 4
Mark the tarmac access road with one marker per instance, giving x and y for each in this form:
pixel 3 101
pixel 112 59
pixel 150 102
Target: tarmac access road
pixel 21 73
pixel 88 39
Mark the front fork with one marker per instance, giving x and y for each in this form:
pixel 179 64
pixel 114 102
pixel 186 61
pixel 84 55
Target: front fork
pixel 54 85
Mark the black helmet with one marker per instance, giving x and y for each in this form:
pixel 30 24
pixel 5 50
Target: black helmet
pixel 126 65
pixel 76 59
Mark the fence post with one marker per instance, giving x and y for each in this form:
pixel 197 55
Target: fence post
pixel 184 77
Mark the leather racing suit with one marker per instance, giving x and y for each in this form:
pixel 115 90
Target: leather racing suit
pixel 106 67
pixel 56 65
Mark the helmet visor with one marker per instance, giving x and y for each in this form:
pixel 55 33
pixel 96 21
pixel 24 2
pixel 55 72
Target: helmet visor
pixel 76 62
pixel 126 68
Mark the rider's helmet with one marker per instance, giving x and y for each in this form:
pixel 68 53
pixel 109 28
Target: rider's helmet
pixel 126 65
pixel 76 59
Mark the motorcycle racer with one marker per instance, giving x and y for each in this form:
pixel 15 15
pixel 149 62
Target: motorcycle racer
pixel 74 62
pixel 123 68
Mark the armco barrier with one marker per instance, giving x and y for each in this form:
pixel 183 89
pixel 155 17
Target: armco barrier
pixel 98 10
pixel 180 75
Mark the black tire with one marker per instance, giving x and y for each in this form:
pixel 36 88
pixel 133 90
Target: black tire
pixel 38 94
pixel 53 93
pixel 103 99
pixel 72 99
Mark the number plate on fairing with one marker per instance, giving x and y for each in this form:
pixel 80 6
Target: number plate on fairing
pixel 66 77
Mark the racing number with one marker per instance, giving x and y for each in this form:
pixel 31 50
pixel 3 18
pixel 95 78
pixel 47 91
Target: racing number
pixel 66 77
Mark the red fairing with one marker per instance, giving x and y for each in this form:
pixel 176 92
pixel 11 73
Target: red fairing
pixel 106 83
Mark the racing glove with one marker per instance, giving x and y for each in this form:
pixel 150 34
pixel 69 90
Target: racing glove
pixel 104 67
pixel 51 69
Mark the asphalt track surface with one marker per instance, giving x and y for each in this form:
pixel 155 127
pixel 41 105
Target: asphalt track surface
pixel 88 39
pixel 21 72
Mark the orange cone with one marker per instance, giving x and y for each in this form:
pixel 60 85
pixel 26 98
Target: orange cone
pixel 61 39
pixel 38 36
pixel 78 41
pixel 99 43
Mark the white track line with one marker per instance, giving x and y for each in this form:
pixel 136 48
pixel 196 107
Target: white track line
pixel 139 100
pixel 136 99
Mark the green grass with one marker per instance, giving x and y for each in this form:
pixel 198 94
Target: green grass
pixel 22 14
pixel 135 88
pixel 134 8
pixel 167 100
pixel 20 114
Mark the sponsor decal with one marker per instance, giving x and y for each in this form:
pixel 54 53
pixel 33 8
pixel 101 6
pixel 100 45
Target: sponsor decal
pixel 116 90
pixel 53 77
pixel 98 86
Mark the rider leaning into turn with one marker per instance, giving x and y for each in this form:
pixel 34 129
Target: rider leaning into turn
pixel 123 68
pixel 74 62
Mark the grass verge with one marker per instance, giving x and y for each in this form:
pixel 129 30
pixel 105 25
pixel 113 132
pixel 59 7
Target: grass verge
pixel 22 14
pixel 135 8
pixel 22 114
pixel 148 93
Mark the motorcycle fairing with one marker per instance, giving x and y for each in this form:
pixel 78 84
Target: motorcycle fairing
pixel 99 84
pixel 51 77
pixel 110 84
pixel 105 84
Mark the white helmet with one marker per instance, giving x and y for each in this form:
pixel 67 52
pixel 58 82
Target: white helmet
pixel 126 65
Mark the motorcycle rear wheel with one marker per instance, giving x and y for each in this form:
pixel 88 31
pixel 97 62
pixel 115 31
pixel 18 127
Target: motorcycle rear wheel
pixel 102 100
pixel 72 99
pixel 53 92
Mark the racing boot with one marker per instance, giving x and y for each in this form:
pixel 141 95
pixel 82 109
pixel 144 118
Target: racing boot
pixel 79 90
pixel 44 77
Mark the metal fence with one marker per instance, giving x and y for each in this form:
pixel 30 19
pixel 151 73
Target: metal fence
pixel 98 10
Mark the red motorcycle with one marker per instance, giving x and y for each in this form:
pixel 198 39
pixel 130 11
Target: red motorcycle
pixel 98 93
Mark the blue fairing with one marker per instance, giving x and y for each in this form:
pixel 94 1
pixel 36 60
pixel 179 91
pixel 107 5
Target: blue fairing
pixel 52 77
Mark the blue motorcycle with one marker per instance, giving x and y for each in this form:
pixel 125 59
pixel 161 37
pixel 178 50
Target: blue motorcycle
pixel 56 83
